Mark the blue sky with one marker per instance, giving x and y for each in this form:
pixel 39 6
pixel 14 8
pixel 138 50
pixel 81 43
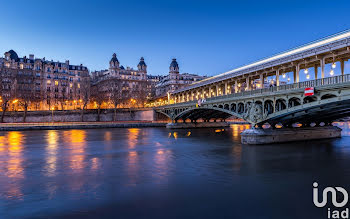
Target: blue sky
pixel 207 37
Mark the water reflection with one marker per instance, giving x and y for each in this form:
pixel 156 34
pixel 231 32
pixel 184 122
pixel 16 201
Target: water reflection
pixel 162 161
pixel 133 134
pixel 102 167
pixel 12 162
pixel 76 142
pixel 51 152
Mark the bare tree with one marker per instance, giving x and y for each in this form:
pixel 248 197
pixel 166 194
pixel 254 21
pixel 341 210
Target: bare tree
pixel 7 89
pixel 25 90
pixel 98 95
pixel 85 94
pixel 115 92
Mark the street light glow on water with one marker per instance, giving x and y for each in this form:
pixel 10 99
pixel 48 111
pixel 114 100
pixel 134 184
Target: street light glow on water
pixel 154 172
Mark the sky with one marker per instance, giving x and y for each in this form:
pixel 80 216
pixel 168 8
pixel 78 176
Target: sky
pixel 206 37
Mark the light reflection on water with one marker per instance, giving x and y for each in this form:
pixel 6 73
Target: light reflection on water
pixel 81 170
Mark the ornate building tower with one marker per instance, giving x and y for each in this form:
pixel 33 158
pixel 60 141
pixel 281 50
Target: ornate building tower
pixel 114 65
pixel 174 69
pixel 142 67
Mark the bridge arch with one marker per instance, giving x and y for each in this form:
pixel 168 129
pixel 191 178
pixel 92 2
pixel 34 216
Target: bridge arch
pixel 327 96
pixel 280 104
pixel 206 113
pixel 268 106
pixel 309 99
pixel 294 101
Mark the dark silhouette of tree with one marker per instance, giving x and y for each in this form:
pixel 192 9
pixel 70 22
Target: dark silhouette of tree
pixel 7 89
pixel 25 92
pixel 85 94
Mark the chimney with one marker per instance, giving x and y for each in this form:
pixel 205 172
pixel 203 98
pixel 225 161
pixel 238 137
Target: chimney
pixel 31 56
pixel 67 62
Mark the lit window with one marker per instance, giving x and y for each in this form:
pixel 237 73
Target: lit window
pixel 70 85
pixel 21 66
pixel 56 83
pixel 48 82
pixel 78 85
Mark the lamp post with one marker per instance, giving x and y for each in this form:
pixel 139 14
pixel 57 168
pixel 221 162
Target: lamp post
pixel 52 109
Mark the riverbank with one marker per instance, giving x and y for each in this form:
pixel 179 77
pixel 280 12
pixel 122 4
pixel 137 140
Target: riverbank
pixel 78 125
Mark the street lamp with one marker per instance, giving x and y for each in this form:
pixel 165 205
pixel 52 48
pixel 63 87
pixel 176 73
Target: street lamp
pixel 52 109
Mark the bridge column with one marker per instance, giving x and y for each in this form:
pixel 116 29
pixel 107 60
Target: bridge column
pixel 322 63
pixel 296 73
pixel 316 71
pixel 217 90
pixel 225 89
pixel 203 93
pixel 342 66
pixel 236 86
pixel 247 81
pixel 209 94
pixel 278 77
pixel 262 81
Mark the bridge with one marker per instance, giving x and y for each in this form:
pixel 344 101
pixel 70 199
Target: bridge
pixel 272 90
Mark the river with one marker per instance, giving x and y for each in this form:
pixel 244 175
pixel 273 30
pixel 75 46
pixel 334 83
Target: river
pixel 161 173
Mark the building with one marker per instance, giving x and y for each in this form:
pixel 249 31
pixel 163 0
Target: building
pixel 122 86
pixel 175 80
pixel 30 83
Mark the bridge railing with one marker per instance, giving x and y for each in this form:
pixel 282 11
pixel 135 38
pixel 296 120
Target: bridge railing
pixel 314 83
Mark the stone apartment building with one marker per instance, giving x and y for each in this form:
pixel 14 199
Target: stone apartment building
pixel 123 86
pixel 175 80
pixel 41 84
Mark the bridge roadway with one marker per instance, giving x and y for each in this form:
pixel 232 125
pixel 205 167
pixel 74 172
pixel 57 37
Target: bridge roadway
pixel 284 105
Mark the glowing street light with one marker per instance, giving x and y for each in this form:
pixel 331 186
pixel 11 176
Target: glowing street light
pixel 334 65
pixel 332 72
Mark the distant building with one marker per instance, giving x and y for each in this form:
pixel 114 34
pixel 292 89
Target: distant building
pixel 175 80
pixel 42 84
pixel 128 83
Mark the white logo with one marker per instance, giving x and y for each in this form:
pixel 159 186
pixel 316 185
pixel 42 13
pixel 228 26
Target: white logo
pixel 334 196
pixel 333 191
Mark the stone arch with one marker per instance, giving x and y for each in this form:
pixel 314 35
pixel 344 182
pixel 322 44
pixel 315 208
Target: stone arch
pixel 327 96
pixel 309 99
pixel 227 107
pixel 268 106
pixel 233 107
pixel 221 106
pixel 280 104
pixel 240 108
pixel 294 101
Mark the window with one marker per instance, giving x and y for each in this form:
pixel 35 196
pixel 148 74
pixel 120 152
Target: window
pixel 49 82
pixel 56 83
pixel 21 66
pixel 78 85
pixel 70 85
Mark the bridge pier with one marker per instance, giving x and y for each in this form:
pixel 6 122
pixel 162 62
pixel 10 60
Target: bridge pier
pixel 257 136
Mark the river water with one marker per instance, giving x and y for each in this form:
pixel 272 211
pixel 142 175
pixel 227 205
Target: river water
pixel 159 173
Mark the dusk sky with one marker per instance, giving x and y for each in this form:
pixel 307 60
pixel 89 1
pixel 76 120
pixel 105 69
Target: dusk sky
pixel 206 37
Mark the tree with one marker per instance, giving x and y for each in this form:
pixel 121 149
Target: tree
pixel 98 95
pixel 25 91
pixel 85 94
pixel 115 92
pixel 7 89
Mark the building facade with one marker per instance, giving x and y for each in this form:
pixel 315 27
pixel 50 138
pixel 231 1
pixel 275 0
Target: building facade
pixel 175 80
pixel 122 86
pixel 37 84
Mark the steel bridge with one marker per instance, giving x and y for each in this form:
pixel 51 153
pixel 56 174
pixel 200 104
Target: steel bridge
pixel 241 93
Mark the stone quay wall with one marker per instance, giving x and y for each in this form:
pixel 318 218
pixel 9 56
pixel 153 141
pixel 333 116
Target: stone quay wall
pixel 106 115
